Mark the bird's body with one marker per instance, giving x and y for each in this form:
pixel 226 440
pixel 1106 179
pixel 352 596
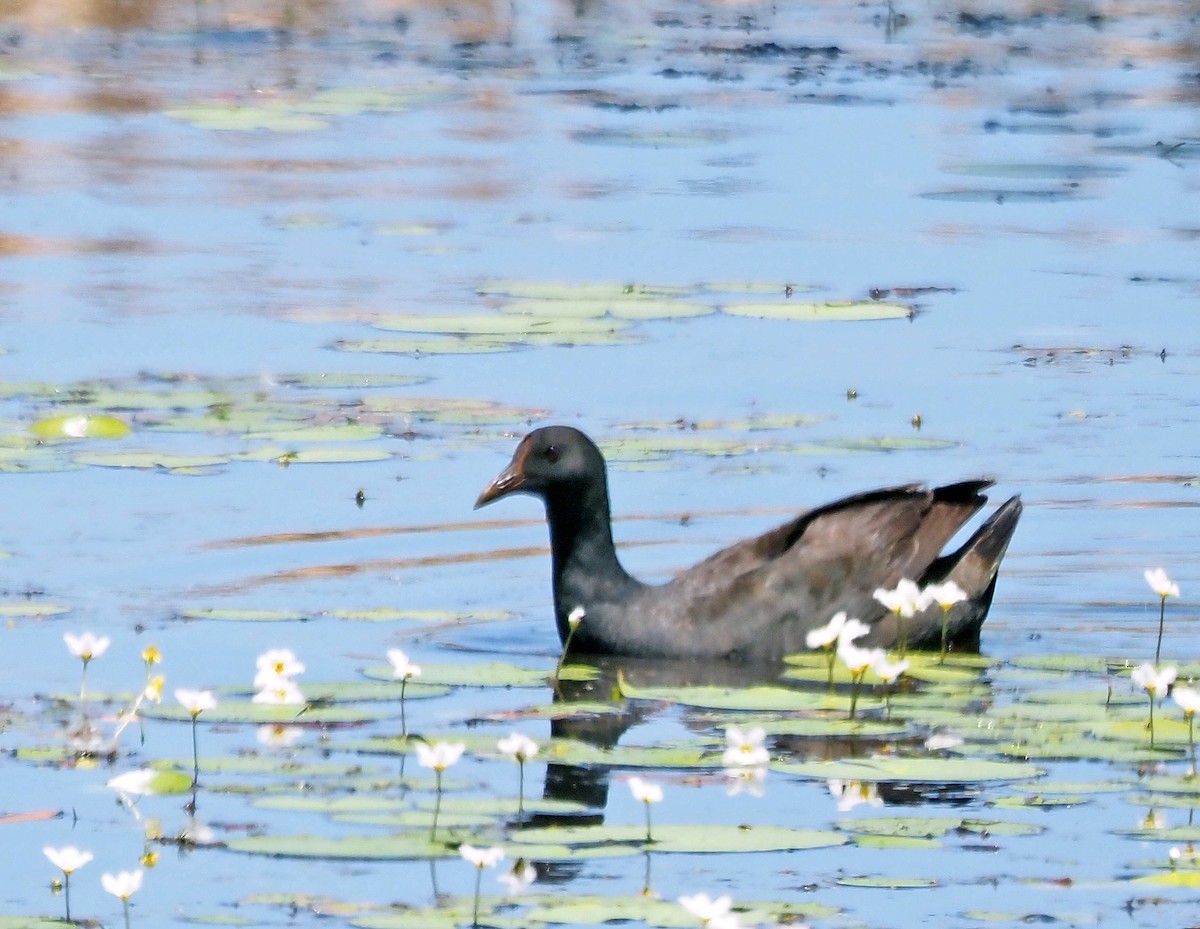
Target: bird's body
pixel 759 598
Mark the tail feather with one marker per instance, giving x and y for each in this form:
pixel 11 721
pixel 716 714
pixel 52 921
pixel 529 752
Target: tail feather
pixel 974 568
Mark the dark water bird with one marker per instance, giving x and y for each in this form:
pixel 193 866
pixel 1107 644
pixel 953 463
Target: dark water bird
pixel 759 598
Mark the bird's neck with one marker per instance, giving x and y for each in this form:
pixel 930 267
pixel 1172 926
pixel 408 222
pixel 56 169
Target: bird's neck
pixel 585 564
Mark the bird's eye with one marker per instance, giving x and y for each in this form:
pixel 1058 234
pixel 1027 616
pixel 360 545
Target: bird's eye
pixel 552 454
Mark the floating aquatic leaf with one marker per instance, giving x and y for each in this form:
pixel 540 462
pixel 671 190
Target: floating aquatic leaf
pixel 582 309
pixel 284 456
pixel 895 841
pixel 407 846
pixel 889 883
pixel 228 711
pixel 929 770
pixel 507 325
pixel 230 614
pixel 275 117
pixel 573 752
pixel 678 838
pixel 888 443
pixel 385 614
pixel 934 826
pixel 490 674
pixel 146 460
pixel 820 312
pixel 80 426
pixel 32 609
pixel 562 291
pixel 762 698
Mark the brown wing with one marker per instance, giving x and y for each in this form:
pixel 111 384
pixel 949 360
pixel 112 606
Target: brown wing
pixel 829 558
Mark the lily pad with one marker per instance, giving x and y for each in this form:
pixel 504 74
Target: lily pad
pixel 889 883
pixel 935 826
pixel 408 846
pixel 820 312
pixel 244 616
pixel 692 839
pixel 80 426
pixel 926 770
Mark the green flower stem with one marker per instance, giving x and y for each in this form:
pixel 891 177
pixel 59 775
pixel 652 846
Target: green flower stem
pixel 475 911
pixel 945 634
pixel 1151 720
pixel 832 656
pixel 566 648
pixel 67 886
pixel 437 806
pixel 1191 718
pixel 403 721
pixel 1162 613
pixel 901 636
pixel 195 754
pixel 520 789
pixel 855 688
pixel 649 838
pixel 125 904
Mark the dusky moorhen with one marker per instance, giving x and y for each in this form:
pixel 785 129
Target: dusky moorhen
pixel 757 599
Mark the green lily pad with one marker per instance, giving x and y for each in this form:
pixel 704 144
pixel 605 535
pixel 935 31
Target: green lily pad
pixel 80 426
pixel 285 456
pixel 153 461
pixel 678 838
pixel 889 883
pixel 244 616
pixel 925 770
pixel 404 847
pixel 573 752
pixel 32 609
pixel 820 312
pixel 895 841
pixel 507 325
pixel 265 713
pixel 580 309
pixel 491 674
pixel 761 698
pixel 387 614
pixel 935 826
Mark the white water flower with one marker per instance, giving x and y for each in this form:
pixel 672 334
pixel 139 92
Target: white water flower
pixel 906 599
pixel 481 857
pixel 645 791
pixel 402 668
pixel 276 662
pixel 1188 700
pixel 745 748
pixel 278 691
pixel 1154 682
pixel 850 794
pixel 519 877
pixel 1160 583
pixel 705 909
pixel 277 735
pixel 123 884
pixel 87 646
pixel 750 780
pixel 133 783
pixel 889 671
pixel 856 659
pixel 67 859
pixel 440 755
pixel 196 701
pixel 944 595
pixel 575 617
pixel 518 746
pixel 840 627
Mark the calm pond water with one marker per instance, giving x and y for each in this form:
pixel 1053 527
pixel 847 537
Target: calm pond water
pixel 239 228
